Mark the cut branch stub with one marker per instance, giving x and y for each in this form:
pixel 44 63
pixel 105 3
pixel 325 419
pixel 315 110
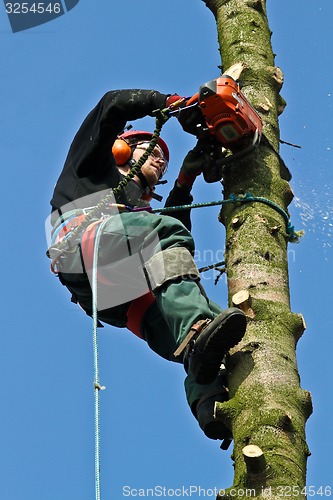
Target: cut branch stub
pixel 281 105
pixel 235 70
pixel 275 229
pixel 277 75
pixel 242 300
pixel 301 327
pixel 266 106
pixel 236 222
pixel 254 459
pixel 303 322
pixel 307 404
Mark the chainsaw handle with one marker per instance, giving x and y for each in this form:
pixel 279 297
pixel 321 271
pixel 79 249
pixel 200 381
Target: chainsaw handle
pixel 192 100
pixel 181 109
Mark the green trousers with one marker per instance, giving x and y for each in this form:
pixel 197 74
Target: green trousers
pixel 178 306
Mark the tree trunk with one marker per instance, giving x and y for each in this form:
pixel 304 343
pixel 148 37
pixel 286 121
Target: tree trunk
pixel 267 410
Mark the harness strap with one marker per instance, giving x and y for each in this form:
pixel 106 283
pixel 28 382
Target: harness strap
pixel 69 226
pixel 87 245
pixel 195 329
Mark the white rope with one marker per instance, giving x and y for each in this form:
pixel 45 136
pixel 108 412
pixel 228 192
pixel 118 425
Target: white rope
pixel 97 386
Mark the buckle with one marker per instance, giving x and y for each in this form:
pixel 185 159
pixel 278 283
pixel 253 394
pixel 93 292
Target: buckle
pixel 195 330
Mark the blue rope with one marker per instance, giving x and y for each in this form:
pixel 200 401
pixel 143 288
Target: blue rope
pixel 293 236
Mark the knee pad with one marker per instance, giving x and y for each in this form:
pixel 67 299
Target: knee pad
pixel 170 264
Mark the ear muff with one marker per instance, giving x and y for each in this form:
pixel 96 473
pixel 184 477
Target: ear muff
pixel 121 151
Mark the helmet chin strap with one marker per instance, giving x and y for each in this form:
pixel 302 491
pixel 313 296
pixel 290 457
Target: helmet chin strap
pixel 146 187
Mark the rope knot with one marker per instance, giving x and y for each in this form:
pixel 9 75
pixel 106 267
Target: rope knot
pixel 99 387
pixel 249 197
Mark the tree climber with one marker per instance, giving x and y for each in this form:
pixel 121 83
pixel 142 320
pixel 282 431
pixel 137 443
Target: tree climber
pixel 147 278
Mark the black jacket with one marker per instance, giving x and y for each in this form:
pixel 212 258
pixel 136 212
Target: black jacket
pixel 90 166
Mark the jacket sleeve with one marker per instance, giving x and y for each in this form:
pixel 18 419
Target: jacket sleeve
pixel 91 147
pixel 180 196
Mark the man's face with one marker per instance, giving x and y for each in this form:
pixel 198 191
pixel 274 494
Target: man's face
pixel 156 164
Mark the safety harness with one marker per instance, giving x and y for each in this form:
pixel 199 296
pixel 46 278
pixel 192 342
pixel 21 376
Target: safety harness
pixel 64 230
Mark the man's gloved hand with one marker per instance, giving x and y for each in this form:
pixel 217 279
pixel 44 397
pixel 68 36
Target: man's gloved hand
pixel 201 159
pixel 192 120
pixel 193 165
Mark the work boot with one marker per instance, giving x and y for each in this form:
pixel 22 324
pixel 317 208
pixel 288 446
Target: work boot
pixel 208 341
pixel 204 412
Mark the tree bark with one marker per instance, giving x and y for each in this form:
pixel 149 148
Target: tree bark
pixel 268 409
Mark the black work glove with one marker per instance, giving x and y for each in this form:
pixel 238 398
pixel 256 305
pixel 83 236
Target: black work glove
pixel 201 159
pixel 195 162
pixel 192 120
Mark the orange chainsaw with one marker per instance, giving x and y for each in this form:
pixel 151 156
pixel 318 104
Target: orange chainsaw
pixel 222 111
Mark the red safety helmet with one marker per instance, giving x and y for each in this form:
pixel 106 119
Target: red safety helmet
pixel 122 147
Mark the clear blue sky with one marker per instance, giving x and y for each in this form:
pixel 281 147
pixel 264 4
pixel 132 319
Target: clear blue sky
pixel 51 76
